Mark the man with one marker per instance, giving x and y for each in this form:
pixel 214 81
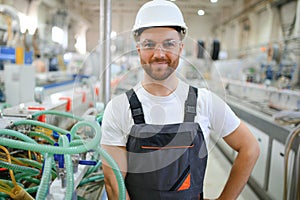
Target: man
pixel 158 131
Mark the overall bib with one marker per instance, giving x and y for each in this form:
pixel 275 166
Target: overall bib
pixel 165 162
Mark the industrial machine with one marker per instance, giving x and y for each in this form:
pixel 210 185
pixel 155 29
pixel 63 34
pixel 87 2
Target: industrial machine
pixel 50 145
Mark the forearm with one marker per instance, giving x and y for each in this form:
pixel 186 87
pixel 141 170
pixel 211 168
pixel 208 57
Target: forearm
pixel 239 175
pixel 111 183
pixel 111 186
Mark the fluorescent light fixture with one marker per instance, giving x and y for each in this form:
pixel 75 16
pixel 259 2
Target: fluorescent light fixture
pixel 201 12
pixel 213 1
pixel 57 35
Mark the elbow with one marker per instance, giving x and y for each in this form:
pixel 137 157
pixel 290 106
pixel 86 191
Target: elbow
pixel 254 151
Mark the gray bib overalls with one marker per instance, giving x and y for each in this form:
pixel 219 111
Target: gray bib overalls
pixel 165 162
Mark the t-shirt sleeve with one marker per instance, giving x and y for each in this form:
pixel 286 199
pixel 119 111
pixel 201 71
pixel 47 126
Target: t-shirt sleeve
pixel 223 120
pixel 111 128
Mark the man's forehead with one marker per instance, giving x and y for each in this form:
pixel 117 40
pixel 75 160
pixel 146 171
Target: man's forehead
pixel 159 33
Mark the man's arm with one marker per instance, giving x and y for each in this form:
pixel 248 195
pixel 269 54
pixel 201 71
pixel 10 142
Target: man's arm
pixel 247 147
pixel 111 185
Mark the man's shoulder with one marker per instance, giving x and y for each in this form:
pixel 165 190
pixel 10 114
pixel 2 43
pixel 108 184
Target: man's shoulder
pixel 119 99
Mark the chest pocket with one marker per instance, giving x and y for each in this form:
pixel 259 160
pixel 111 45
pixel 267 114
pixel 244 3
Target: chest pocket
pixel 165 161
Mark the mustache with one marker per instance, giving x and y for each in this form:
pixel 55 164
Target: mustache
pixel 160 60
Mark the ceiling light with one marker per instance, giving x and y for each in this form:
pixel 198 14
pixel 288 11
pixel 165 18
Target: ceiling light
pixel 213 1
pixel 201 12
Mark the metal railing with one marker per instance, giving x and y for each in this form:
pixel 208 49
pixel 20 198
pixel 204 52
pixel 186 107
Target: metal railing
pixel 288 146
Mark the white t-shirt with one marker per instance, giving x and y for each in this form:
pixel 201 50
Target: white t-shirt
pixel 213 114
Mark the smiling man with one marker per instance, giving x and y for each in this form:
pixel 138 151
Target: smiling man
pixel 158 131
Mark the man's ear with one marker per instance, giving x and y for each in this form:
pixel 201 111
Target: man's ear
pixel 138 49
pixel 181 48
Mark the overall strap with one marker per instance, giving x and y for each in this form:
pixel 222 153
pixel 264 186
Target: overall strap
pixel 190 105
pixel 136 107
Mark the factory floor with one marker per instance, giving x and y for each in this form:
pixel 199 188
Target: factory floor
pixel 217 171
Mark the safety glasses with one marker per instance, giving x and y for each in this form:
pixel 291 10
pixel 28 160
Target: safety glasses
pixel 166 45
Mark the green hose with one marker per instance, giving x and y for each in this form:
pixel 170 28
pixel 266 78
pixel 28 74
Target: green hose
pixel 32 189
pixel 37 123
pixel 35 164
pixel 94 168
pixel 31 180
pixel 17 135
pixel 43 189
pixel 50 150
pixel 41 135
pixel 56 112
pixel 92 144
pixel 112 163
pixel 99 177
pixel 18 168
pixel 63 140
pixel 4 105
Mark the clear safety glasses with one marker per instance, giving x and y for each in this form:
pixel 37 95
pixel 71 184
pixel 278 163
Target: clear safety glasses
pixel 167 45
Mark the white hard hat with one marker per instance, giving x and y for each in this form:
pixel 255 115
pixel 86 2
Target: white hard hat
pixel 159 13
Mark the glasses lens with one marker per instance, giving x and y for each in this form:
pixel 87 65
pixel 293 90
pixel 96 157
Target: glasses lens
pixel 165 45
pixel 148 45
pixel 169 44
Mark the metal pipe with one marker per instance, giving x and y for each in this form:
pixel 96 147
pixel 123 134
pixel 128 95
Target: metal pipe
pixel 105 54
pixel 288 145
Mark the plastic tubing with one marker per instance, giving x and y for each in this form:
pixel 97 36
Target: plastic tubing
pixel 99 177
pixel 112 163
pixel 32 180
pixel 19 168
pixel 4 105
pixel 64 141
pixel 37 123
pixel 41 135
pixel 43 189
pixel 94 168
pixel 35 164
pixel 17 135
pixel 92 144
pixel 56 112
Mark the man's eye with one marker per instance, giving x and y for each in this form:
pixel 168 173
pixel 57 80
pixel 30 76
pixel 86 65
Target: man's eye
pixel 169 44
pixel 149 45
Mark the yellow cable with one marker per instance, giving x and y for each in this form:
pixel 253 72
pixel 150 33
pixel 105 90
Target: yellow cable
pixel 29 155
pixel 13 159
pixel 12 195
pixel 11 173
pixel 43 130
pixel 4 185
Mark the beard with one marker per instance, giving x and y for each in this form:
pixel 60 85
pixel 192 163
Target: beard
pixel 160 69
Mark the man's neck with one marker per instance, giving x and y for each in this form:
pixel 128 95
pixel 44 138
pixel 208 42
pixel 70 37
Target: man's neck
pixel 160 88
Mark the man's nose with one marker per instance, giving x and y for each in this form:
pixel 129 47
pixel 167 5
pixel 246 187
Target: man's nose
pixel 159 50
